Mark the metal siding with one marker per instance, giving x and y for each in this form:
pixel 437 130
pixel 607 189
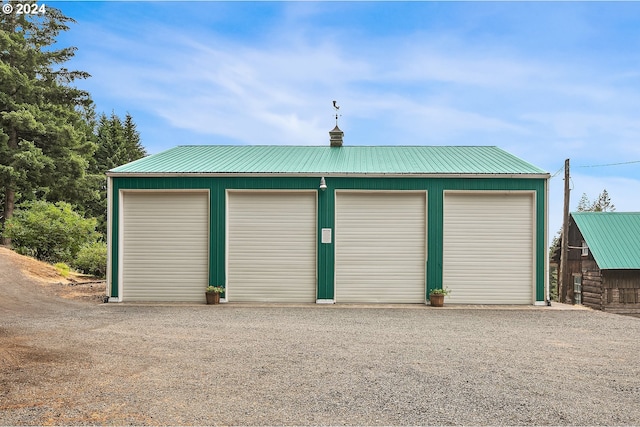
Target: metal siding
pixel 218 231
pixel 326 211
pixel 488 241
pixel 326 252
pixel 380 247
pixel 271 247
pixel 165 246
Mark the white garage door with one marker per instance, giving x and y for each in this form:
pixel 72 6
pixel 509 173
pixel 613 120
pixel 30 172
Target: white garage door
pixel 380 247
pixel 165 254
pixel 488 255
pixel 271 246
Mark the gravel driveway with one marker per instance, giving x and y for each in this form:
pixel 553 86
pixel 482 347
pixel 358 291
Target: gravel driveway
pixel 83 363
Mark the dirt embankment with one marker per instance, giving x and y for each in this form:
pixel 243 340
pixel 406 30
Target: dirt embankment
pixel 31 288
pixel 23 278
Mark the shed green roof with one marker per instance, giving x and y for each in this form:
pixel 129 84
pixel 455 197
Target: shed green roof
pixel 305 160
pixel 613 238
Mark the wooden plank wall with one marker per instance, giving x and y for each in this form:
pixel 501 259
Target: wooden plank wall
pixel 592 291
pixel 621 291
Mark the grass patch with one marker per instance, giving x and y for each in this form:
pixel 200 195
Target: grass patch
pixel 63 269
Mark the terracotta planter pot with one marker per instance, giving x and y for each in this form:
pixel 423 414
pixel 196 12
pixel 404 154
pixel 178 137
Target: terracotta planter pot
pixel 212 297
pixel 436 300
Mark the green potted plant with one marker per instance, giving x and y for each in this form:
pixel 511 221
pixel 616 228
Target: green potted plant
pixel 213 294
pixel 436 296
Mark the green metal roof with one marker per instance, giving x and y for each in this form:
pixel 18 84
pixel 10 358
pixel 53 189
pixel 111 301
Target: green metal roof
pixel 281 159
pixel 613 238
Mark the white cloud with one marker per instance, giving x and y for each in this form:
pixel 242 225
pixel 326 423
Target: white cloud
pixel 425 86
pixel 418 87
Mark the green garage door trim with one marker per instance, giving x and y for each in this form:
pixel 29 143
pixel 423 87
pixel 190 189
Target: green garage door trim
pixel 489 247
pixel 165 245
pixel 380 244
pixel 271 246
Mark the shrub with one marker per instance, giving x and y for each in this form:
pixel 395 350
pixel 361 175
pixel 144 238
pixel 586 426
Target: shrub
pixel 49 232
pixel 63 269
pixel 92 259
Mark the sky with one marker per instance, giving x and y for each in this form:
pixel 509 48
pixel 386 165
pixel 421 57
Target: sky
pixel 545 81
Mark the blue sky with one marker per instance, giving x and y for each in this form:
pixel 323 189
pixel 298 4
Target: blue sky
pixel 545 81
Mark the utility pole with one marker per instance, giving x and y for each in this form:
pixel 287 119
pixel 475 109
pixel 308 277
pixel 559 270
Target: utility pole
pixel 564 245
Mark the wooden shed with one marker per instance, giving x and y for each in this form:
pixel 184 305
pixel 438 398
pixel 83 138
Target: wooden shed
pixel 604 260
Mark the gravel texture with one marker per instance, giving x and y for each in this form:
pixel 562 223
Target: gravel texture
pixel 69 362
pixel 285 365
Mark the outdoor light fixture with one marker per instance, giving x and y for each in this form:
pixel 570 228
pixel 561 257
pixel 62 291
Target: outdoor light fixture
pixel 323 185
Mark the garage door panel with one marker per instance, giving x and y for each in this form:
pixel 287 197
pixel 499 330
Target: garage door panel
pixel 272 247
pixel 380 247
pixel 165 246
pixel 488 253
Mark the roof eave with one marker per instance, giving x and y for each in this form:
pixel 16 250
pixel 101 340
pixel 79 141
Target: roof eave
pixel 327 175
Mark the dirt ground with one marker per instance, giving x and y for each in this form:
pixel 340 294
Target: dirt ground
pixel 30 287
pixel 75 286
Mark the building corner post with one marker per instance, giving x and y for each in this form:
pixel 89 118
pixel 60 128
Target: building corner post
pixel 109 237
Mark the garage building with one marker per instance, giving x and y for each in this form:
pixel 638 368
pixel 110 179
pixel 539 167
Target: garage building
pixel 335 224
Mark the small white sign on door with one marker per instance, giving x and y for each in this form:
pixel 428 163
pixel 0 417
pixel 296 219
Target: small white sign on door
pixel 326 235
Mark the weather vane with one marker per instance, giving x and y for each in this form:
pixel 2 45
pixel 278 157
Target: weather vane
pixel 336 107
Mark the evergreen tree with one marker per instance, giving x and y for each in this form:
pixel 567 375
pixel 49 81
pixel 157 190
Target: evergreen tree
pixel 603 203
pixel 134 150
pixel 584 204
pixel 118 142
pixel 44 136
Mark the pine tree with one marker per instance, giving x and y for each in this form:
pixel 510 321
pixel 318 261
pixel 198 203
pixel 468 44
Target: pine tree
pixel 603 203
pixel 44 137
pixel 110 147
pixel 584 204
pixel 118 142
pixel 134 150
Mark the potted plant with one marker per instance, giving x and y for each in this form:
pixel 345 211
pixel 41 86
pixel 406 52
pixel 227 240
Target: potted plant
pixel 436 296
pixel 213 294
